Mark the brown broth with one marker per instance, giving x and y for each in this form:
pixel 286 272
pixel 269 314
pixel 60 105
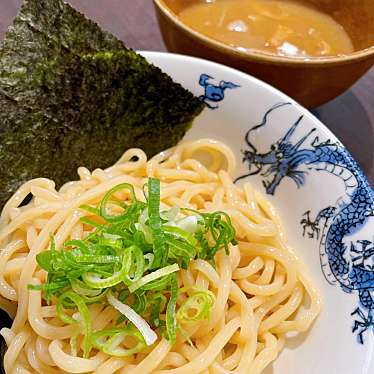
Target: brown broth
pixel 282 27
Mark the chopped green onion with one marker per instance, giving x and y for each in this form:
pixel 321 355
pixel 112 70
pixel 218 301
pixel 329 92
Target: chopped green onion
pixel 146 230
pixel 109 197
pixel 85 319
pixel 78 244
pixel 159 284
pixel 134 251
pixel 90 209
pixel 137 264
pixel 178 233
pixel 95 299
pixel 140 302
pixel 170 311
pixel 180 249
pixel 188 224
pixel 111 236
pixel 91 222
pixel 159 248
pixel 109 341
pixel 171 214
pixel 95 259
pixel 123 294
pixel 73 345
pixel 53 243
pixel 81 289
pixel 94 280
pixel 216 228
pixel 149 257
pixel 148 334
pixel 196 308
pixel 157 303
pixel 45 260
pixel 153 276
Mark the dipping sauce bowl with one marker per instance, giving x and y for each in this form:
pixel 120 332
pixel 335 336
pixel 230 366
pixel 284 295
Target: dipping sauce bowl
pixel 311 81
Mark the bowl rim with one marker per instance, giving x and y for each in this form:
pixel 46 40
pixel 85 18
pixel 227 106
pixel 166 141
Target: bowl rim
pixel 259 82
pixel 258 55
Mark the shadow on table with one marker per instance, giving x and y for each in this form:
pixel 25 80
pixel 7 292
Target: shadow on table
pixel 347 119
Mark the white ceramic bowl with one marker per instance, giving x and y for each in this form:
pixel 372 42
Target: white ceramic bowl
pixel 325 201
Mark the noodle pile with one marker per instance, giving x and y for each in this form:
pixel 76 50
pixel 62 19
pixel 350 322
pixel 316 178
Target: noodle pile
pixel 261 288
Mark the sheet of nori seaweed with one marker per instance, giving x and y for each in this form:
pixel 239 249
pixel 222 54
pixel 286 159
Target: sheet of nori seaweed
pixel 73 95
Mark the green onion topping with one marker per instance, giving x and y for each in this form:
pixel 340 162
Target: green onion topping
pixel 130 261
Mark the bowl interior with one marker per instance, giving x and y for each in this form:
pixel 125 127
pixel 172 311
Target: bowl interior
pixel 356 16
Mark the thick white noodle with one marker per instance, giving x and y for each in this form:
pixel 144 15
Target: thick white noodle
pixel 262 289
